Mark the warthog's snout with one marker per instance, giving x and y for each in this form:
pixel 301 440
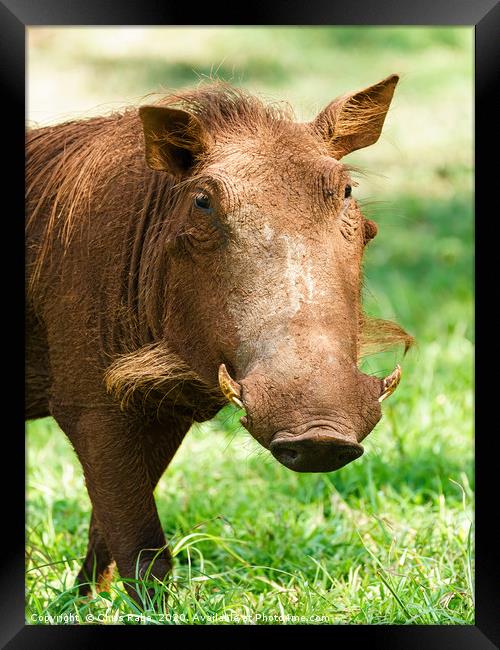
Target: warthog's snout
pixel 317 450
pixel 310 426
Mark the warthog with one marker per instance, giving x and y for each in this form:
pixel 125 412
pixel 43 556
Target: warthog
pixel 203 249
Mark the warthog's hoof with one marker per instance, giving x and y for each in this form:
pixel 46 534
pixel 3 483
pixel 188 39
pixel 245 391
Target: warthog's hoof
pixel 154 569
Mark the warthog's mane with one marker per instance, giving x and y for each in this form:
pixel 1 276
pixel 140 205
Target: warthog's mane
pixel 70 174
pixel 222 108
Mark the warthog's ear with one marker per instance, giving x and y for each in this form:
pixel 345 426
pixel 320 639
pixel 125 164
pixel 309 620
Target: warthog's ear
pixel 355 120
pixel 173 138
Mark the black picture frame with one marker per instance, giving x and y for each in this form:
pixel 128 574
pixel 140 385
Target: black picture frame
pixel 484 15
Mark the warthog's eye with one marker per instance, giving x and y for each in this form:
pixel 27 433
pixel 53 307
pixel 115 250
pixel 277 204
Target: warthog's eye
pixel 347 191
pixel 202 202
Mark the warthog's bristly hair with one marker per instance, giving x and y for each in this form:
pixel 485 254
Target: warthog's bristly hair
pixel 378 335
pixel 152 373
pixel 220 107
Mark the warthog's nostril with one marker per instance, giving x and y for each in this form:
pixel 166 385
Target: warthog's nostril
pixel 287 455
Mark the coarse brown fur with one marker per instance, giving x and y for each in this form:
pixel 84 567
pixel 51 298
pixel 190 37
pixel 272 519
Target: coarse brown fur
pixel 136 295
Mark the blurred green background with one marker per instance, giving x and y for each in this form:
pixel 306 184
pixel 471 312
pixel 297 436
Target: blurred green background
pixel 388 538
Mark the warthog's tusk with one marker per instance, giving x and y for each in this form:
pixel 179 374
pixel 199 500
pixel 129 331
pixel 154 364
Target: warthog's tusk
pixel 390 383
pixel 230 388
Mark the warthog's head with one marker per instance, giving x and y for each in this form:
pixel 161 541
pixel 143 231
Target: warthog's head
pixel 264 263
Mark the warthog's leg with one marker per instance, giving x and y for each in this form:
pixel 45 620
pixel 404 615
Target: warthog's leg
pixel 160 444
pixel 119 480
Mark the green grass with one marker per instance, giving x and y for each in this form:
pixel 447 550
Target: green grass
pixel 389 538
